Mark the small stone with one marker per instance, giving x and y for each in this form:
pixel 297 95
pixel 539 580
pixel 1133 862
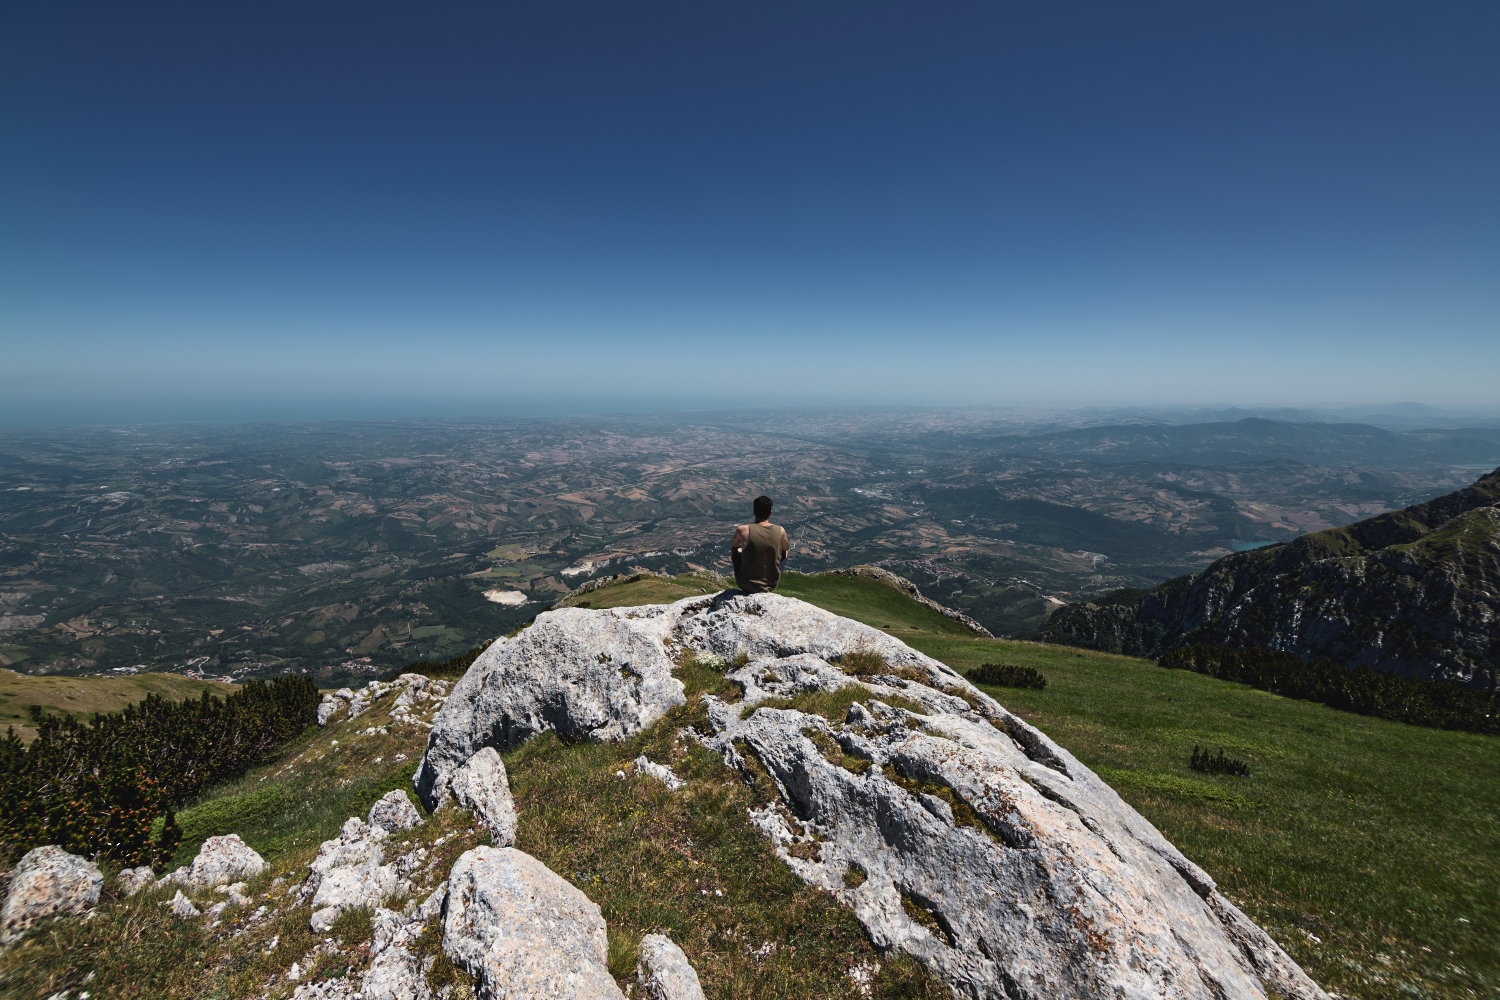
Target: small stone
pixel 48 881
pixel 133 880
pixel 663 972
pixel 660 772
pixel 394 812
pixel 182 907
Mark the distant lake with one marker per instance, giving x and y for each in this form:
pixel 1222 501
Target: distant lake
pixel 1247 546
pixel 1482 465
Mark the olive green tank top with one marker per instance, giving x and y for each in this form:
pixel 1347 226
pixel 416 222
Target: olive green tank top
pixel 759 572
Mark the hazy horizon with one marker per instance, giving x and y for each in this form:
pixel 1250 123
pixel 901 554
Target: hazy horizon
pixel 365 211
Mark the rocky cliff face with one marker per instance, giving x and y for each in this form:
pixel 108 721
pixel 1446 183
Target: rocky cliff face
pixel 1415 592
pixel 952 829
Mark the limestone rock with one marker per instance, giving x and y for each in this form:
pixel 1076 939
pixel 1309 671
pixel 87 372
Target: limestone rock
pixel 395 973
pixel 660 772
pixel 600 675
pixel 347 872
pixel 522 931
pixel 353 886
pixel 332 705
pixel 220 860
pixel 394 812
pixel 483 786
pixel 47 882
pixel 133 880
pixel 183 908
pixel 978 845
pixel 663 972
pixel 1002 871
pixel 356 844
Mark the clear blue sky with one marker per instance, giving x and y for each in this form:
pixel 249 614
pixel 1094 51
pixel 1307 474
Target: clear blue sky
pixel 367 209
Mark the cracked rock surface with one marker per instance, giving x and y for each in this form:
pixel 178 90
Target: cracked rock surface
pixel 483 787
pixel 602 675
pixel 521 930
pixel 663 972
pixel 957 833
pixel 47 882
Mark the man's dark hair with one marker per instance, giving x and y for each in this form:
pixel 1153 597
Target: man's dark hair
pixel 762 508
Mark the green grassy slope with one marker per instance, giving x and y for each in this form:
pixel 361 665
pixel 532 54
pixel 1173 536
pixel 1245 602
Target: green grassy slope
pixel 1379 839
pixel 869 601
pixel 83 696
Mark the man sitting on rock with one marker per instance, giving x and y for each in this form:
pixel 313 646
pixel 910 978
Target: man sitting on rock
pixel 759 551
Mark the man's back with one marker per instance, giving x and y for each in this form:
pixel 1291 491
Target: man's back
pixel 759 569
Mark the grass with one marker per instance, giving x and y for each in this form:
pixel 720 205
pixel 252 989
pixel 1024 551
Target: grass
pixel 83 696
pixel 644 589
pixel 133 947
pixel 869 601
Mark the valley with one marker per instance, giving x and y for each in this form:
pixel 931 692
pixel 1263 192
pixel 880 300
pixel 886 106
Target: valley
pixel 344 549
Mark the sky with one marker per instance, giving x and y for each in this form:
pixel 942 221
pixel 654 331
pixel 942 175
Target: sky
pixel 262 210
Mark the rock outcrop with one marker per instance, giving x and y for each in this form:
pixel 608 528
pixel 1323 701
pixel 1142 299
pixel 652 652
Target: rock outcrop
pixel 133 880
pixel 1415 592
pixel 522 931
pixel 663 972
pixel 414 688
pixel 47 882
pixel 347 873
pixel 953 830
pixel 220 860
pixel 608 676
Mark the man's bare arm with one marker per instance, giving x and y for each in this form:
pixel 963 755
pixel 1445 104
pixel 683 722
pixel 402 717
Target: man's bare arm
pixel 741 537
pixel 786 544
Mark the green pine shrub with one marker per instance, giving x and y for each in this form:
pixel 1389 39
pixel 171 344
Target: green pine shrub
pixel 1219 763
pixel 1439 704
pixel 98 788
pixel 1007 675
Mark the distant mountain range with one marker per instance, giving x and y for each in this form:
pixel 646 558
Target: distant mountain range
pixel 1415 592
pixel 1254 439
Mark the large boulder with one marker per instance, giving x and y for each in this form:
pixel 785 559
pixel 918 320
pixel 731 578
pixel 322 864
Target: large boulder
pixel 956 832
pixel 663 972
pixel 522 931
pixel 483 786
pixel 220 860
pixel 600 675
pixel 48 882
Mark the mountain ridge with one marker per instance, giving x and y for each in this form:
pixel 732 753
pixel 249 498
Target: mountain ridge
pixel 1414 592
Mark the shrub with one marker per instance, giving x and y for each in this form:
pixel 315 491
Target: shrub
pixel 1007 675
pixel 1439 704
pixel 98 788
pixel 1218 764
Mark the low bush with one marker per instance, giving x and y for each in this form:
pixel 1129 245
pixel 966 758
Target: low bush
pixel 1219 763
pixel 98 788
pixel 1439 704
pixel 1007 675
